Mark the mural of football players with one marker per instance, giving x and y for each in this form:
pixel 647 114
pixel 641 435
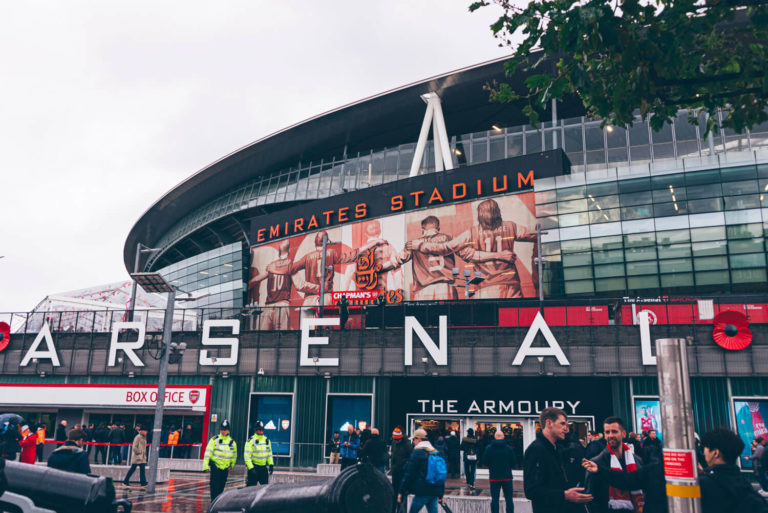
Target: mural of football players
pixel 311 263
pixel 432 274
pixel 279 285
pixel 491 236
pixel 391 276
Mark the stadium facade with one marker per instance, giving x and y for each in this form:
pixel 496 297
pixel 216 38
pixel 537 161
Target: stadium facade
pixel 641 234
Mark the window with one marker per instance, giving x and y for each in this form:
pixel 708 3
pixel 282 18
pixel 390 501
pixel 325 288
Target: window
pixel 677 280
pixel 711 263
pixel 604 271
pixel 750 417
pixel 709 248
pixel 274 411
pixel 676 265
pixel 346 410
pixel 748 260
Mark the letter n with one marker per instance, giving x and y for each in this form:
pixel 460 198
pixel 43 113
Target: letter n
pixel 438 353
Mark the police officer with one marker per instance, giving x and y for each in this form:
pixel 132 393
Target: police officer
pixel 220 456
pixel 258 457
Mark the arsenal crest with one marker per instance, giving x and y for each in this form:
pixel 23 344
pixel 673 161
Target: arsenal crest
pixel 194 395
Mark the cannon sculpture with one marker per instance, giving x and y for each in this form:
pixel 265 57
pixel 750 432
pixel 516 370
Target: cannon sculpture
pixel 358 489
pixel 50 489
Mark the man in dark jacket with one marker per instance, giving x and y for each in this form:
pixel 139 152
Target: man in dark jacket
pixel 116 439
pixel 71 457
pixel 100 436
pixel 723 488
pixel 415 482
pixel 469 448
pixel 616 456
pixel 186 441
pixel 500 458
pixel 544 476
pixel 61 432
pixel 375 451
pixel 401 452
pixel 9 441
pixel 595 446
pixel 452 445
pixel 334 446
pixel 652 444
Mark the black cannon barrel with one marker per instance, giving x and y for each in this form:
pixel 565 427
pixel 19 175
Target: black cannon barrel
pixel 358 489
pixel 60 491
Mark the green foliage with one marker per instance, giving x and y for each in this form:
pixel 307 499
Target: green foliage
pixel 621 56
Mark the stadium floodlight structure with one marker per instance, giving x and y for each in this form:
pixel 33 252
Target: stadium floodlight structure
pixel 140 249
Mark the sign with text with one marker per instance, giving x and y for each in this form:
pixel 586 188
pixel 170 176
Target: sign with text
pixel 193 398
pixel 680 464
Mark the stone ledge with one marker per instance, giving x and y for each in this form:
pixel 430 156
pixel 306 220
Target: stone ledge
pixel 118 472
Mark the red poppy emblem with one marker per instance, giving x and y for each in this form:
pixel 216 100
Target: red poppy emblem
pixel 194 395
pixel 5 335
pixel 732 330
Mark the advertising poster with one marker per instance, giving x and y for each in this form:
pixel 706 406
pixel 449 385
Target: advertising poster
pixel 647 416
pixel 416 256
pixel 344 411
pixel 750 424
pixel 274 411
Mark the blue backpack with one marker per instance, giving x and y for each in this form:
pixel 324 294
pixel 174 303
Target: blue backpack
pixel 437 471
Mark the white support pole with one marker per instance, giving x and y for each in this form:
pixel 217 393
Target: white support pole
pixel 422 143
pixel 436 137
pixel 442 134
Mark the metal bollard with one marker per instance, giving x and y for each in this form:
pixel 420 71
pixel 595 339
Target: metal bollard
pixel 63 492
pixel 358 489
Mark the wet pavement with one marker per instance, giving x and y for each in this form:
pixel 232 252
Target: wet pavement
pixel 188 492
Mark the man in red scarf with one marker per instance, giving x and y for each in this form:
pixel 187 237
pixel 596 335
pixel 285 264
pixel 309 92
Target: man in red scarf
pixel 618 457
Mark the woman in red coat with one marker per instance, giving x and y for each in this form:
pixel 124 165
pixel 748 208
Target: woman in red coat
pixel 27 444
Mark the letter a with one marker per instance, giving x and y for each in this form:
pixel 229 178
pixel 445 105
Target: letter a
pixel 539 324
pixel 50 351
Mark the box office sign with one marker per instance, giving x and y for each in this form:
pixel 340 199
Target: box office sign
pixel 193 398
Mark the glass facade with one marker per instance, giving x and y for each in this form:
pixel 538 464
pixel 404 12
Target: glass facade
pixel 697 231
pixel 217 274
pixel 588 145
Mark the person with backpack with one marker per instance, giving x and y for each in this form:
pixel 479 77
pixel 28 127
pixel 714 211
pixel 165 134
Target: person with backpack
pixel 469 448
pixel 425 475
pixel 723 488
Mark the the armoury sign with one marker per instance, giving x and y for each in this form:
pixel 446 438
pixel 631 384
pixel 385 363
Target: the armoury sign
pixel 429 190
pixel 44 348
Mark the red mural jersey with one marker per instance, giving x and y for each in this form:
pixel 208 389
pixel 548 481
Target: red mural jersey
pixel 279 281
pixel 429 269
pixel 499 239
pixel 312 263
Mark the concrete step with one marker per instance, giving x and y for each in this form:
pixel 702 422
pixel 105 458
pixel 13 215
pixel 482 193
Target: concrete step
pixel 326 469
pixel 118 472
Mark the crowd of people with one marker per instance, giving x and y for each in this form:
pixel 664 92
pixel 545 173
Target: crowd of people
pixel 625 476
pixel 611 471
pixel 108 443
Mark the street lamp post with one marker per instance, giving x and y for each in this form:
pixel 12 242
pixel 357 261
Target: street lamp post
pixel 155 282
pixel 140 248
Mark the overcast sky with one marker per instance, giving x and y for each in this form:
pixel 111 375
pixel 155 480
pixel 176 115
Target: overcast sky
pixel 105 106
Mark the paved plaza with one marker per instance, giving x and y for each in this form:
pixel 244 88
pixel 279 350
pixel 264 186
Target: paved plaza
pixel 188 492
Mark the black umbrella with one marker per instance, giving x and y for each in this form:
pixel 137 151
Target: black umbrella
pixel 11 418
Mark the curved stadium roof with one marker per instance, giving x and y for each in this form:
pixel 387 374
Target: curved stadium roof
pixel 385 120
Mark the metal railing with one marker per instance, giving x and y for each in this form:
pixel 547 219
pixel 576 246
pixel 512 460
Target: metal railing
pixel 593 311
